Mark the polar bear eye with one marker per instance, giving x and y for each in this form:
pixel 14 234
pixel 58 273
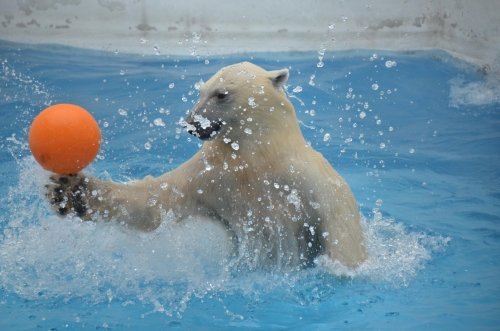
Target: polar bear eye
pixel 221 95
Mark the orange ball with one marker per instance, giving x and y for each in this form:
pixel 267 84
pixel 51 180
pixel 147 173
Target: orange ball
pixel 64 138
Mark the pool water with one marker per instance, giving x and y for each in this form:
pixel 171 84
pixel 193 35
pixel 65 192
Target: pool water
pixel 416 135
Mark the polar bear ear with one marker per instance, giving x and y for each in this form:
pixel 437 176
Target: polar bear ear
pixel 279 77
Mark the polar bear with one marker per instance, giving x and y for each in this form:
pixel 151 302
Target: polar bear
pixel 280 200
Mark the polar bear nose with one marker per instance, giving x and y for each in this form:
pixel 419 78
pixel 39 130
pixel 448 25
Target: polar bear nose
pixel 203 128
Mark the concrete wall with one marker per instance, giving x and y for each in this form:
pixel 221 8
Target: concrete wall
pixel 468 28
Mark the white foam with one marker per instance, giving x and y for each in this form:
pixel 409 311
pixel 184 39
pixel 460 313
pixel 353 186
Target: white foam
pixel 395 255
pixel 45 257
pixel 478 93
pixel 63 259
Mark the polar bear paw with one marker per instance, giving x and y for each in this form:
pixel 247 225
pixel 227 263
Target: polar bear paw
pixel 69 194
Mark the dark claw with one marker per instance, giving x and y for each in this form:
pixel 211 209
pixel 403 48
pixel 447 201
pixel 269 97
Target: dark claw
pixel 69 194
pixel 58 195
pixel 79 204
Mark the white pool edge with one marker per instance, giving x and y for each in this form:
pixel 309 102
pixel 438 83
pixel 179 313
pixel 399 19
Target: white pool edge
pixel 469 30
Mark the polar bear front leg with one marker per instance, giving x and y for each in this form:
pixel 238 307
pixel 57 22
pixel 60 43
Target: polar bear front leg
pixel 89 198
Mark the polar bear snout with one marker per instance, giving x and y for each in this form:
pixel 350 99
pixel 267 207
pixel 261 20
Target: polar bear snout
pixel 202 127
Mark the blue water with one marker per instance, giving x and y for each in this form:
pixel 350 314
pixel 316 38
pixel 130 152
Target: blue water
pixel 417 136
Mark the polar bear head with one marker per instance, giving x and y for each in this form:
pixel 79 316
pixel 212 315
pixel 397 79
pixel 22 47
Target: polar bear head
pixel 238 100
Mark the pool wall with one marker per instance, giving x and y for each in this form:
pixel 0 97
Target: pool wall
pixel 468 29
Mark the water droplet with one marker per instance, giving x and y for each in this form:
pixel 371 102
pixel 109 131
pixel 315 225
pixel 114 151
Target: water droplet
pixel 122 72
pixel 315 205
pixel 235 146
pixel 199 191
pixel 158 122
pixel 382 146
pixel 375 86
pixel 412 150
pixel 171 85
pixel 147 146
pixel 390 64
pixel 327 137
pixel 248 131
pixel 362 115
pixel 122 112
pixel 311 80
pixel 297 89
pixel 164 111
pixel 251 102
pixel 320 64
pixel 198 84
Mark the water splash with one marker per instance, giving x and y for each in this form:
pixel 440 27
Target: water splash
pixel 44 257
pixel 395 255
pixel 477 93
pixel 23 86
